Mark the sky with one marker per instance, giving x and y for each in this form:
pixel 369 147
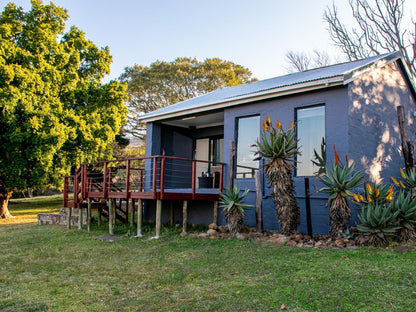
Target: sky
pixel 256 34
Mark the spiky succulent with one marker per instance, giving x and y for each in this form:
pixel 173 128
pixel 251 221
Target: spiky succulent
pixel 233 205
pixel 279 147
pixel 320 159
pixel 277 144
pixel 406 206
pixel 339 183
pixel 341 180
pixel 379 222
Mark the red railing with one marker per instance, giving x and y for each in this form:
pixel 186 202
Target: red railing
pixel 154 177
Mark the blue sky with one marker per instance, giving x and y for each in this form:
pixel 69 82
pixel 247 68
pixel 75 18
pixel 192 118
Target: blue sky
pixel 254 33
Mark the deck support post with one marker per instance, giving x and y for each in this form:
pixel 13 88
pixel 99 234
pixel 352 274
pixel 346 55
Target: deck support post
pixel 99 215
pixel 215 219
pixel 171 213
pixel 139 218
pixel 185 216
pixel 69 215
pixel 80 218
pixel 131 204
pixel 158 217
pixel 110 217
pixel 89 214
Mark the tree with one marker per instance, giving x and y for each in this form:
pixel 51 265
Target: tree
pixel 300 61
pixel 54 111
pixel 165 83
pixel 380 29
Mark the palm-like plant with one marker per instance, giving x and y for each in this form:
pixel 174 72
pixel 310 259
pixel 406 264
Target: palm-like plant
pixel 233 205
pixel 278 146
pixel 339 183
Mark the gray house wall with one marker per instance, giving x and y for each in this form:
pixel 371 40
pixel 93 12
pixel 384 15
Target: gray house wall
pixel 373 133
pixel 284 109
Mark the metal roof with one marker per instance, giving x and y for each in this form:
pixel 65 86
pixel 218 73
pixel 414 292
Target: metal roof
pixel 323 77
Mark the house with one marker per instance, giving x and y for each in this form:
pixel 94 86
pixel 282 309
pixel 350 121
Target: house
pixel 352 105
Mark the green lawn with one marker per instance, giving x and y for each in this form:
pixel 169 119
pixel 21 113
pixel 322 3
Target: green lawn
pixel 50 268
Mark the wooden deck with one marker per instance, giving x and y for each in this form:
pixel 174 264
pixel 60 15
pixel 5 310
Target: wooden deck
pixel 157 178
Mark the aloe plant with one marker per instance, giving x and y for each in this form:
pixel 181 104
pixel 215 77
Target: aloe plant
pixel 279 147
pixel 379 222
pixel 406 207
pixel 233 205
pixel 339 183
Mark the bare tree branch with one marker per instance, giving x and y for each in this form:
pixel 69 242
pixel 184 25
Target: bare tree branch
pixel 379 29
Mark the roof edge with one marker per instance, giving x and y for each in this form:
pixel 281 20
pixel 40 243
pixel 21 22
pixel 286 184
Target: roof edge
pixel 250 97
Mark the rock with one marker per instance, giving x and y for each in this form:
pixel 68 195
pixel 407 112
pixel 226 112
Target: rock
pixel 319 244
pixel 240 236
pixel 307 237
pixel 213 226
pixel 291 243
pixel 212 232
pixel 222 229
pixel 299 237
pixel 203 235
pixel 183 234
pixel 339 243
pixel 309 244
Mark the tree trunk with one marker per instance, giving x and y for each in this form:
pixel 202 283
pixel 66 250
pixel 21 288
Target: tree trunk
pixel 279 174
pixel 4 200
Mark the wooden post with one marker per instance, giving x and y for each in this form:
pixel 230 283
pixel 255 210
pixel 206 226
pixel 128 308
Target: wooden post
pixel 99 215
pixel 89 214
pixel 158 217
pixel 185 216
pixel 131 204
pixel 139 217
pixel 80 218
pixel 215 219
pixel 259 200
pixel 171 213
pixel 69 217
pixel 110 217
pixel 308 207
pixel 407 146
pixel 231 165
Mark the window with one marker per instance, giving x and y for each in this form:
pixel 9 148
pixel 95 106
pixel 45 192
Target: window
pixel 310 131
pixel 248 131
pixel 217 150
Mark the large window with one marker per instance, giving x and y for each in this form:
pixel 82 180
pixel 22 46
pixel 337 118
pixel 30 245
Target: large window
pixel 310 131
pixel 248 131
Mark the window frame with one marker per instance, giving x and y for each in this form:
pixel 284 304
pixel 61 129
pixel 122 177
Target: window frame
pixel 296 123
pixel 236 133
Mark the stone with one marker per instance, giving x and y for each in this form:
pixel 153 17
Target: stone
pixel 319 244
pixel 291 243
pixel 240 236
pixel 299 237
pixel 212 232
pixel 339 243
pixel 183 234
pixel 222 229
pixel 203 235
pixel 213 226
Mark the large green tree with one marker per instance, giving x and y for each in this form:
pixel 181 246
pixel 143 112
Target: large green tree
pixel 54 111
pixel 165 83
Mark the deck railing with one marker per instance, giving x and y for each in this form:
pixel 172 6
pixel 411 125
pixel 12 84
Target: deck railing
pixel 153 177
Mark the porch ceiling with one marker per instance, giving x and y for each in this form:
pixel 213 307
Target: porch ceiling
pixel 197 121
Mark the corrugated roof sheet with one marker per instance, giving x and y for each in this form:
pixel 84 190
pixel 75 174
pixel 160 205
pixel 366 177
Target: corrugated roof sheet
pixel 220 95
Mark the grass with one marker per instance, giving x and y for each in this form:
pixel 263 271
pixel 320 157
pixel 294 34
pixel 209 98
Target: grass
pixel 50 268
